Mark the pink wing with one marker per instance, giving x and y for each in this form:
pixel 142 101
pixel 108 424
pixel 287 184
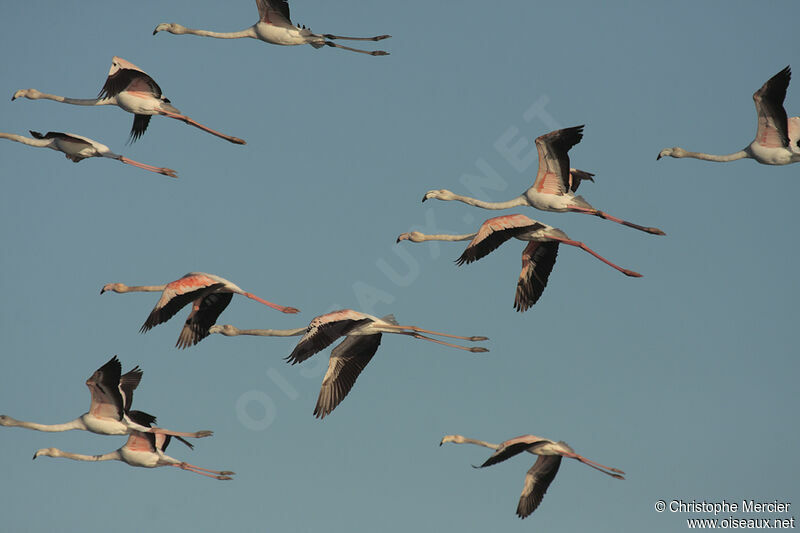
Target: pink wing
pixel 537 480
pixel 772 122
pixel 178 294
pixel 495 232
pixel 538 260
pixel 553 174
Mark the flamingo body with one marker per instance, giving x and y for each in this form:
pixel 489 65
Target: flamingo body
pixel 209 295
pixel 133 90
pixel 555 184
pixel 109 410
pixel 538 257
pixel 275 27
pixel 76 148
pixel 777 140
pixel 544 470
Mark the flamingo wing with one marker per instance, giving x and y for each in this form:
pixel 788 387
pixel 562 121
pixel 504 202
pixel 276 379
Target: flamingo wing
pixel 127 383
pixel 200 321
pixel 553 176
pixel 577 176
pixel 772 120
pixel 137 440
pixel 274 12
pixel 537 480
pixel 59 136
pixel 495 232
pixel 176 296
pixel 107 401
pixel 347 361
pixel 127 79
pixel 321 333
pixel 538 259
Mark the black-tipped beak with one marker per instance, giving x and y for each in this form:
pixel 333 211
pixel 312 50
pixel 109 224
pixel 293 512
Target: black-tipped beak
pixel 423 198
pixel 102 290
pixel 658 157
pixel 154 32
pixel 34 456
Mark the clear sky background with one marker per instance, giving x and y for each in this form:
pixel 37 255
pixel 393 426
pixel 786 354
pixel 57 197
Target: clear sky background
pixel 685 378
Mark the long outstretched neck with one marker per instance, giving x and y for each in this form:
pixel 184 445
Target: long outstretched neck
pixel 416 236
pixel 448 196
pixel 680 153
pixel 33 94
pixel 67 426
pixel 458 439
pixel 177 29
pixel 25 140
pixel 232 331
pixel 55 452
pixel 122 288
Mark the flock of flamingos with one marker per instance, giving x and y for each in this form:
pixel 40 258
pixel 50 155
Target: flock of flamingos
pixel 127 86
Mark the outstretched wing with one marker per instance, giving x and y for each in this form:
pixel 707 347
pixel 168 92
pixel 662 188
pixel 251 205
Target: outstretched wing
pixel 175 296
pixel 537 480
pixel 495 232
pixel 322 332
pixel 772 121
pixel 553 175
pixel 274 12
pixel 538 259
pixel 107 401
pixel 347 361
pixel 199 322
pixel 127 383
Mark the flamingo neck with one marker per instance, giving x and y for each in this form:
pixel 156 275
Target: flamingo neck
pixel 141 288
pixel 741 154
pixel 55 452
pixel 177 29
pixel 266 332
pixel 67 426
pixel 514 202
pixel 26 140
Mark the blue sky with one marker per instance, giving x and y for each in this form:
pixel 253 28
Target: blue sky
pixel 685 378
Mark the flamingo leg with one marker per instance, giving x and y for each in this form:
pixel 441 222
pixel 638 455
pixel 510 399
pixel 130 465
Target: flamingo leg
pixel 196 124
pixel 585 248
pixel 377 38
pixel 165 171
pixel 372 53
pixel 195 435
pixel 603 214
pixel 473 349
pixel 222 476
pixel 595 465
pixel 420 330
pixel 280 308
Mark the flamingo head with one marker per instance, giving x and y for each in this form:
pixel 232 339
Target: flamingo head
pixel 116 287
pixel 671 152
pixel 31 94
pixel 413 236
pixel 225 329
pixel 458 439
pixel 440 194
pixel 50 452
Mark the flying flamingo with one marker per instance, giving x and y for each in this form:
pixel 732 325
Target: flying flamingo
pixel 142 449
pixel 348 359
pixel 555 185
pixel 543 470
pixel 209 295
pixel 777 139
pixel 77 148
pixel 130 88
pixel 538 258
pixel 274 26
pixel 112 395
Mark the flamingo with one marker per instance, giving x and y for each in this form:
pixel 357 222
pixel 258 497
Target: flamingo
pixel 112 395
pixel 777 139
pixel 543 470
pixel 348 359
pixel 555 185
pixel 538 257
pixel 77 148
pixel 275 27
pixel 132 89
pixel 209 294
pixel 141 449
